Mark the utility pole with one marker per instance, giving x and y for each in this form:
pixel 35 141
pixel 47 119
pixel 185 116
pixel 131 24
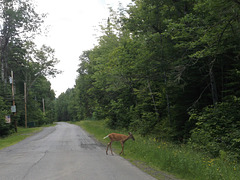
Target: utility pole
pixel 13 109
pixel 43 102
pixel 25 101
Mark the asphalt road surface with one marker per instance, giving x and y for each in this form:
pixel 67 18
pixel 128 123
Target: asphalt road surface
pixel 64 152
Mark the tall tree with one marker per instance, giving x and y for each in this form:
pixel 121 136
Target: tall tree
pixel 19 23
pixel 159 62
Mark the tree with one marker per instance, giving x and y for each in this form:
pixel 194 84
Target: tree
pixel 40 103
pixel 39 64
pixel 65 106
pixel 19 23
pixel 161 61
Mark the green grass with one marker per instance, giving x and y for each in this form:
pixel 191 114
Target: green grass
pixel 179 160
pixel 17 137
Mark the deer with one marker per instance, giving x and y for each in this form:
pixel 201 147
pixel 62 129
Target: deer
pixel 118 137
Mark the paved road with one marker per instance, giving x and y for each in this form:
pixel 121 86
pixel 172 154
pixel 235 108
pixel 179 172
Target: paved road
pixel 64 152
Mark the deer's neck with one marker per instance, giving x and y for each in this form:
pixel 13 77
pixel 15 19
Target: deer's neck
pixel 124 140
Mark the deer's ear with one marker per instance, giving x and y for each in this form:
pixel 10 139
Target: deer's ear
pixel 129 133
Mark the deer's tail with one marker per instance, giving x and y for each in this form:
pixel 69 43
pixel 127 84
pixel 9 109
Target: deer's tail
pixel 105 137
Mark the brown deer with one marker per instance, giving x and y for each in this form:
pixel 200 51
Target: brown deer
pixel 118 137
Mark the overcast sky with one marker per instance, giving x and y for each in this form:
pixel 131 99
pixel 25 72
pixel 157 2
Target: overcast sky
pixel 72 27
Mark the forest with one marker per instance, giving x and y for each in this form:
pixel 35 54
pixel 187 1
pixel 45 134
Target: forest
pixel 24 69
pixel 168 69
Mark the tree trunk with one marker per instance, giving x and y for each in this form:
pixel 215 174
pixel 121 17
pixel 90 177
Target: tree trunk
pixel 153 99
pixel 213 86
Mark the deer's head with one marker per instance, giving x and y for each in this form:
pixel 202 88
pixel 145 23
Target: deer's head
pixel 131 136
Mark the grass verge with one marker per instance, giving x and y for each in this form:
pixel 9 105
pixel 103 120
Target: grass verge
pixel 19 136
pixel 155 157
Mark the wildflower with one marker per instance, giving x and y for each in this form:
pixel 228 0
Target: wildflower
pixel 211 161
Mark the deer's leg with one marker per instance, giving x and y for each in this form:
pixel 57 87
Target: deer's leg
pixel 107 148
pixel 122 148
pixel 111 147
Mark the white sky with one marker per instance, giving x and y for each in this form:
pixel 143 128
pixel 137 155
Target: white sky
pixel 71 28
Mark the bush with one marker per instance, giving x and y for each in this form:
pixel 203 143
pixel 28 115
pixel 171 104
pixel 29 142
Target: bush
pixel 5 129
pixel 217 129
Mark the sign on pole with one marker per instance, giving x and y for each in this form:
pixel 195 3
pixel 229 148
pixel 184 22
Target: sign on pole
pixel 8 119
pixel 13 109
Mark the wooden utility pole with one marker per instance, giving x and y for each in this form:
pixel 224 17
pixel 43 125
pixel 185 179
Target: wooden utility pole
pixel 13 106
pixel 25 101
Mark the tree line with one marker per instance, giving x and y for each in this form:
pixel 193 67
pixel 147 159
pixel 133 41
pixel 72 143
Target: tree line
pixel 165 68
pixel 24 68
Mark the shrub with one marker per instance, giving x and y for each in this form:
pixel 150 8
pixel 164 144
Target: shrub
pixel 217 128
pixel 5 129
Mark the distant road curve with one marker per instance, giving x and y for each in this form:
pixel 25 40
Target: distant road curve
pixel 64 152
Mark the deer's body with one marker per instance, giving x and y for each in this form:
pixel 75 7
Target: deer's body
pixel 118 137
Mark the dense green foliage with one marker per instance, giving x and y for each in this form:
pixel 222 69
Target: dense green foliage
pixel 166 68
pixel 19 24
pixel 217 129
pixel 4 128
pixel 65 106
pixel 178 159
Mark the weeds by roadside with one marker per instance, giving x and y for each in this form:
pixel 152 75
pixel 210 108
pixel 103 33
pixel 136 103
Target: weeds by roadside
pixel 17 137
pixel 180 160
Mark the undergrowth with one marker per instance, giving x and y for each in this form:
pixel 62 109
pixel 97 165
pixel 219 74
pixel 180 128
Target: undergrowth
pixel 180 160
